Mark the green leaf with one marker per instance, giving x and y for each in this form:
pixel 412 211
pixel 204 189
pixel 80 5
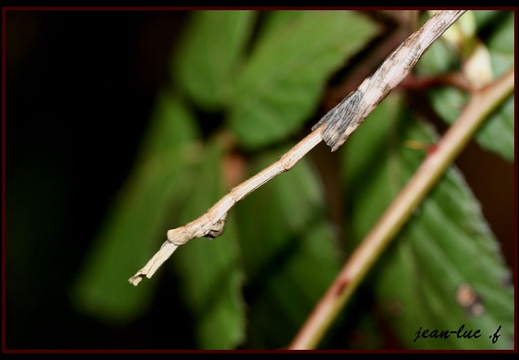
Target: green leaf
pixel 501 43
pixel 497 134
pixel 281 83
pixel 484 18
pixel 210 54
pixel 136 224
pixel 444 270
pixel 210 271
pixel 438 59
pixel 288 250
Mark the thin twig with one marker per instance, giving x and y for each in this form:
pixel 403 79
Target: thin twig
pixel 334 128
pixel 342 120
pixel 482 102
pixel 211 224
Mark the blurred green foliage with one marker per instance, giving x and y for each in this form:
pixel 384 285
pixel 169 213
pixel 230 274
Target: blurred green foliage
pixel 446 247
pixel 262 74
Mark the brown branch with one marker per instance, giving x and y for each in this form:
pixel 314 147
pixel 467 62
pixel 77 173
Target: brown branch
pixel 482 102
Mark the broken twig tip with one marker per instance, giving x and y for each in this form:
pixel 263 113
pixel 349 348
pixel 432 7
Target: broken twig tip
pixel 151 267
pixel 135 280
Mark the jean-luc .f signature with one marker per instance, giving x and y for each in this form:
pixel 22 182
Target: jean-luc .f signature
pixel 460 333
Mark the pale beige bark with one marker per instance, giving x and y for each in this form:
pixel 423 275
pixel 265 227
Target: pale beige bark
pixel 334 128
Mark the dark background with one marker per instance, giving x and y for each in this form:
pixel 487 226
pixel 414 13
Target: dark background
pixel 79 87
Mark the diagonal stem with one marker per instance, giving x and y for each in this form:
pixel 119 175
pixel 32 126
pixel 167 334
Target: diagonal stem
pixel 481 104
pixel 334 128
